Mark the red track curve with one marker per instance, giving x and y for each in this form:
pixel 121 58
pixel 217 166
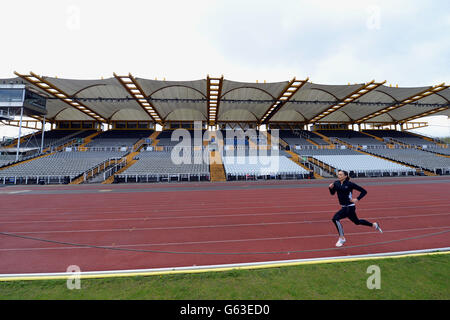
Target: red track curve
pixel 211 223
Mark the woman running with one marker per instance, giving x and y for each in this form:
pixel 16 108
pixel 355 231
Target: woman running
pixel 344 189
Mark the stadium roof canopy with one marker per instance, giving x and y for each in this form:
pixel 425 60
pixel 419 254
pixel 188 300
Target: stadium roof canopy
pixel 217 100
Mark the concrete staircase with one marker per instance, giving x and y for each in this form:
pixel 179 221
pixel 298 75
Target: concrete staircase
pixel 154 137
pixel 295 157
pixel 129 159
pixel 216 168
pixel 326 139
pixel 87 140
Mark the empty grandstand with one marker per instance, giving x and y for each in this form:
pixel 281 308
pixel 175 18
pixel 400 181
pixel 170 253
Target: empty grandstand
pixel 36 144
pixel 59 167
pixel 353 161
pixel 402 137
pixel 351 137
pixel 438 150
pixel 301 138
pixel 263 167
pixel 133 121
pixel 365 165
pixel 173 138
pixel 339 151
pixel 240 162
pixel 55 138
pixel 158 166
pixel 417 158
pixel 116 140
pixel 6 159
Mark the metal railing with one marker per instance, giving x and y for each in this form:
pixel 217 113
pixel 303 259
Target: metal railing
pixel 382 173
pixel 111 171
pixel 61 179
pixel 263 176
pixel 138 144
pixel 36 179
pixel 374 146
pixel 98 168
pixel 161 177
pixel 311 147
pixel 111 149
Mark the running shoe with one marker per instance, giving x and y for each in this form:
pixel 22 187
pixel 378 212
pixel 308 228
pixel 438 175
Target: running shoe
pixel 377 227
pixel 340 242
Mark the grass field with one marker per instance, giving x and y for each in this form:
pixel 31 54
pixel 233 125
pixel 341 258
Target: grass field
pixel 423 277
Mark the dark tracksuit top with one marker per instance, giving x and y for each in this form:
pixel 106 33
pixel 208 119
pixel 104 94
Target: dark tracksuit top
pixel 344 192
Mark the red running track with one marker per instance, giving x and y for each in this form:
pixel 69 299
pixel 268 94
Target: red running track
pixel 178 225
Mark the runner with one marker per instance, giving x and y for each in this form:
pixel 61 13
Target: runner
pixel 344 189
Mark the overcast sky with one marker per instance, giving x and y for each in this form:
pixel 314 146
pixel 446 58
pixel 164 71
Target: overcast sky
pixel 404 42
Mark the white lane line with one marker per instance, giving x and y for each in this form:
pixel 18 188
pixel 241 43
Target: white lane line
pixel 14 192
pixel 262 224
pixel 209 216
pixel 334 235
pixel 219 216
pixel 167 207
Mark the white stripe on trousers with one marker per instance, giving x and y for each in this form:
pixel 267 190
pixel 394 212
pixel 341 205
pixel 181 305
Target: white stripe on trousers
pixel 341 230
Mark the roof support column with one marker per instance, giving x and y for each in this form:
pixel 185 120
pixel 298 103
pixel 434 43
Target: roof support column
pixel 288 92
pixel 135 90
pixel 20 133
pixel 53 90
pixel 214 91
pixel 406 101
pixel 372 85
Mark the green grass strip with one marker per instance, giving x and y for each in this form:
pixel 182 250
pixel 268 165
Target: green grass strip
pixel 422 277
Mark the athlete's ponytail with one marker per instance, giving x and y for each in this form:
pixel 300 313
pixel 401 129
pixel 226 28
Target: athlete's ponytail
pixel 347 177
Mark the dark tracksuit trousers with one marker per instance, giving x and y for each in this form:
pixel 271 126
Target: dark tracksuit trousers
pixel 348 210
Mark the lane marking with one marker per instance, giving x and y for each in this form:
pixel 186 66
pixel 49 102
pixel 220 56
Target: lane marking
pixel 217 225
pixel 237 205
pixel 149 211
pixel 211 216
pixel 224 241
pixel 223 267
pixel 14 192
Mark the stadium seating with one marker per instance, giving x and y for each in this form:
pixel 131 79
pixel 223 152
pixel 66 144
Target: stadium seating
pixel 32 144
pixel 165 138
pixel 248 152
pixel 118 138
pixel 301 137
pixel 240 161
pixel 155 166
pixel 339 151
pixel 60 165
pixel 237 138
pixel 445 151
pixel 415 157
pixel 363 164
pixel 54 137
pixel 7 159
pixel 262 166
pixel 294 137
pixel 401 136
pixel 354 138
